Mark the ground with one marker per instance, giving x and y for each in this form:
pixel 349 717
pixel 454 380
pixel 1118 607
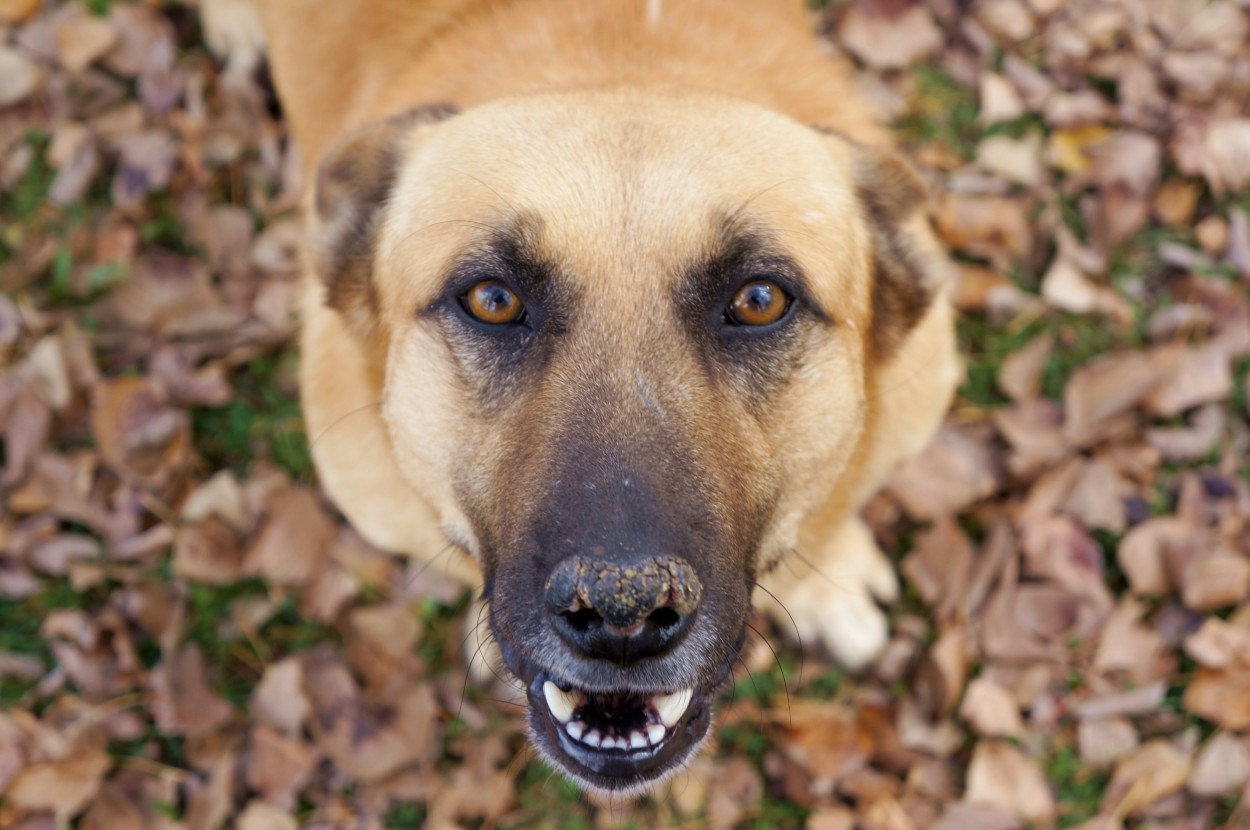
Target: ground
pixel 1073 647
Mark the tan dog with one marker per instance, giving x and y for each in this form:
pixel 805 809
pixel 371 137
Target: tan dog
pixel 623 300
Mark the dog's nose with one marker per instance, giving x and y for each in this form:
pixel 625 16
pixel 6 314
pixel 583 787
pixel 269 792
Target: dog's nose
pixel 623 613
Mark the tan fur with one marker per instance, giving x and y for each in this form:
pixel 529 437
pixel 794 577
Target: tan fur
pixel 390 424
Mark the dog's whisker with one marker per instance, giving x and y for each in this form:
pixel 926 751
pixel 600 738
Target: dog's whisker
pixel 340 419
pixel 468 672
pixel 784 684
pixel 797 635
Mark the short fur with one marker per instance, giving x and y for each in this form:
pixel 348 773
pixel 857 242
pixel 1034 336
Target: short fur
pixel 625 166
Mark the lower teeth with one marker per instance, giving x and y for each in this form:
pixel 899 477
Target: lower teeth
pixel 655 733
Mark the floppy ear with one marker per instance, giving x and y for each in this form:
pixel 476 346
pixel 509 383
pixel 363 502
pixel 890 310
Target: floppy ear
pixel 908 266
pixel 353 184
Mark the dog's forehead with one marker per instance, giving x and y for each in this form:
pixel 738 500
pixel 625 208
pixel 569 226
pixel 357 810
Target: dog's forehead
pixel 615 181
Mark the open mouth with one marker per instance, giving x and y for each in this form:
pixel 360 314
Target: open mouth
pixel 616 740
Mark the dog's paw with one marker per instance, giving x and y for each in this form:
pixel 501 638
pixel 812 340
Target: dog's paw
pixel 832 600
pixel 234 32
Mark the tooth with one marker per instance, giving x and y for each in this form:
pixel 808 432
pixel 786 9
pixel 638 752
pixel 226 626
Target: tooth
pixel 611 743
pixel 670 708
pixel 637 740
pixel 576 729
pixel 561 703
pixel 592 738
pixel 655 732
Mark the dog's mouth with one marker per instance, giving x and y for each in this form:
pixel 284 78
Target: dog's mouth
pixel 616 740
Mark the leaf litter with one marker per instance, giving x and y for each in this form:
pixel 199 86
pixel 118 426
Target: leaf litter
pixel 1074 645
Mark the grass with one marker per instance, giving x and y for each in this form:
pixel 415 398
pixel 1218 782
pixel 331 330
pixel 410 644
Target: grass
pixel 1079 788
pixel 20 624
pixel 262 421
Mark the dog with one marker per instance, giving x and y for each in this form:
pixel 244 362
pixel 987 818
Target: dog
pixel 631 304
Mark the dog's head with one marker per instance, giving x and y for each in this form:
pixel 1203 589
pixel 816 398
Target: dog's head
pixel 626 340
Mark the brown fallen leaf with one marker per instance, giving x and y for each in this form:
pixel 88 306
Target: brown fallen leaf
pixel 1128 646
pixel 825 743
pixel 1002 776
pixel 889 35
pixel 138 435
pixel 292 541
pixel 1175 201
pixel 278 768
pixel 954 471
pixel 1222 765
pixel 963 816
pixel 63 787
pixel 1191 442
pixel 1065 287
pixel 19 77
pixel 1221 696
pixel 368 739
pixel 990 710
pixel 279 700
pixel 15 11
pixel 991 226
pixel 182 703
pixel 1103 741
pixel 82 40
pixel 208 552
pixel 1215 578
pixel 1106 387
pixel 1020 375
pixel 999 99
pixel 1226 154
pixel 1196 375
pixel 1153 771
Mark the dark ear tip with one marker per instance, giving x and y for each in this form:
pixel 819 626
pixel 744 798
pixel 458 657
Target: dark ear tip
pixel 352 183
pixel 889 183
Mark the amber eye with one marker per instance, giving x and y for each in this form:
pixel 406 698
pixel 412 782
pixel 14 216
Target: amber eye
pixel 758 303
pixel 493 302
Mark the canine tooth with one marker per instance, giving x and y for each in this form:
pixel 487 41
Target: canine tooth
pixel 637 740
pixel 670 708
pixel 655 732
pixel 592 738
pixel 560 702
pixel 576 729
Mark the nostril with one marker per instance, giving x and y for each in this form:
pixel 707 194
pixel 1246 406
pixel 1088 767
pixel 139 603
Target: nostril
pixel 583 619
pixel 665 617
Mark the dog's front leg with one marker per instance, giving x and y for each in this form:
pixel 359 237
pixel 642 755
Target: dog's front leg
pixel 828 591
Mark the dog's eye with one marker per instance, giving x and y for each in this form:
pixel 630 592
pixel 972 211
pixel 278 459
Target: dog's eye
pixel 758 303
pixel 490 301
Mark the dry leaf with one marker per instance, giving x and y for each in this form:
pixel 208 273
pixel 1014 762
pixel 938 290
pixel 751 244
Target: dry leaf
pixel 1226 163
pixel 1103 741
pixel 952 473
pixel 889 35
pixel 291 544
pixel 278 768
pixel 990 710
pixel 1222 765
pixel 82 40
pixel 1020 375
pixel 18 76
pixel 1065 287
pixel 63 787
pixel 1003 776
pixel 1153 771
pixel 183 704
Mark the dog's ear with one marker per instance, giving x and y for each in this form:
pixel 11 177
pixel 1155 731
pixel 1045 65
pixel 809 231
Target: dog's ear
pixel 353 184
pixel 908 266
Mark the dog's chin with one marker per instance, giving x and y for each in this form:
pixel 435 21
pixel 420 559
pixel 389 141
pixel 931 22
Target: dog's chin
pixel 622 742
